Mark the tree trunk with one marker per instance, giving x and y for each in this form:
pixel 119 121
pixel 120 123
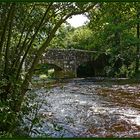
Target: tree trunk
pixel 138 44
pixel 28 76
pixel 8 41
pixel 5 28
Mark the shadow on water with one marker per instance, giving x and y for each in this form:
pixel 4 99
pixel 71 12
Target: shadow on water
pixel 92 107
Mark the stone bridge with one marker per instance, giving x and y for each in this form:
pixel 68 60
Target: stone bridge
pixel 67 60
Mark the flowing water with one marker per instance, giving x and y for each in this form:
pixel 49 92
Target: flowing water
pixel 87 108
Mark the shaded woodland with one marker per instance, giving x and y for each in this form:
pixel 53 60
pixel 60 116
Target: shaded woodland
pixel 28 29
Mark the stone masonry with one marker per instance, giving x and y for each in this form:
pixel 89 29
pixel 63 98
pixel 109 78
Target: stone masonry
pixel 67 59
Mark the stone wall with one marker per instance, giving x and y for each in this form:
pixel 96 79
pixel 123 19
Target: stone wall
pixel 67 59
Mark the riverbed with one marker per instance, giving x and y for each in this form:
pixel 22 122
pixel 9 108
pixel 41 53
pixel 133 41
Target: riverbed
pixel 90 108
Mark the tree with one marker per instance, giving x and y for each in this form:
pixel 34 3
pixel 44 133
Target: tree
pixel 114 31
pixel 138 37
pixel 80 38
pixel 26 31
pixel 73 38
pixel 62 38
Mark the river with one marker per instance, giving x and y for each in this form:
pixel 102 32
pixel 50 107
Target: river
pixel 90 108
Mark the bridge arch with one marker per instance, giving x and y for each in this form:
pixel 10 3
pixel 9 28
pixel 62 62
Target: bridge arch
pixel 46 68
pixel 93 67
pixel 71 61
pixel 85 69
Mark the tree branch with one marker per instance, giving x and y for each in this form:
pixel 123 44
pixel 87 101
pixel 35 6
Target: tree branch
pixel 33 38
pixel 28 76
pixel 8 40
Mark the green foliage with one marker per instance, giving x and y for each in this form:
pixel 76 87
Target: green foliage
pixel 9 120
pixel 41 69
pixel 26 30
pixel 50 73
pixel 23 123
pixel 114 32
pixel 62 38
pixel 81 38
pixel 68 37
pixel 30 116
